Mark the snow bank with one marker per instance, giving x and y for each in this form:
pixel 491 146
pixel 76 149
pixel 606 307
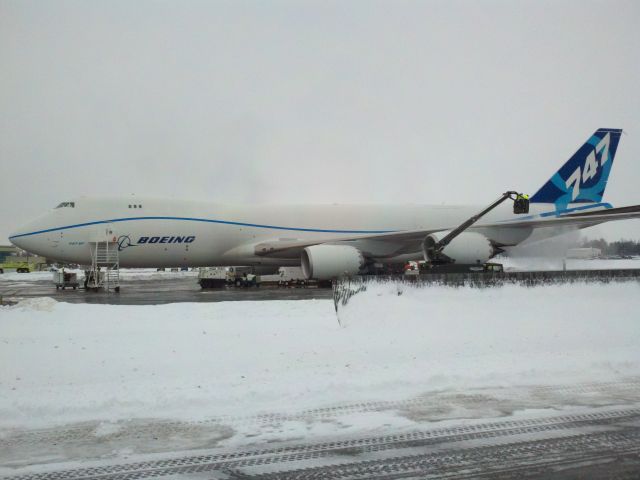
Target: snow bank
pixel 63 362
pixel 507 335
pixel 9 276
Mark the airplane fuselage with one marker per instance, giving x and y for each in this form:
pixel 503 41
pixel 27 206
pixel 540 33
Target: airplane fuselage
pixel 152 232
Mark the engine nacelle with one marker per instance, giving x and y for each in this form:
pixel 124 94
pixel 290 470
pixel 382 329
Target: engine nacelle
pixel 326 262
pixel 466 248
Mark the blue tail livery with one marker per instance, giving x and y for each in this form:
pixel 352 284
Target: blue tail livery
pixel 584 177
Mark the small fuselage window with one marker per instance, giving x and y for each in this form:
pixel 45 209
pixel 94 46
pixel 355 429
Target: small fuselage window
pixel 67 205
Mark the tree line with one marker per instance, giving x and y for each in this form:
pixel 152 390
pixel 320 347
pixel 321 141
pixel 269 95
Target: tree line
pixel 619 247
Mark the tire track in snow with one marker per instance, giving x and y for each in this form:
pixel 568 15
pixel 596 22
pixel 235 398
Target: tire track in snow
pixel 514 444
pixel 86 431
pixel 538 458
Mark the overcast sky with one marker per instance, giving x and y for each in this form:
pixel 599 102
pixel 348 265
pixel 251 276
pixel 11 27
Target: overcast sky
pixel 311 102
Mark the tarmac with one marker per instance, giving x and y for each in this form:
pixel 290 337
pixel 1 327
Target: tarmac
pixel 155 291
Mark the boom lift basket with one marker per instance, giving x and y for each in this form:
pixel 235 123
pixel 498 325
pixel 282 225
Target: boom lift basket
pixel 520 205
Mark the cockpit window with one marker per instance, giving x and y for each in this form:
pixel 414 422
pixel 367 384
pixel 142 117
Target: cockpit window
pixel 67 205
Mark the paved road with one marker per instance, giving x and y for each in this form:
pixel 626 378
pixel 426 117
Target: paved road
pixel 592 445
pixel 599 440
pixel 156 291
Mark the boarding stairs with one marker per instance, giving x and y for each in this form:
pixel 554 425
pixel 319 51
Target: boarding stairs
pixel 105 266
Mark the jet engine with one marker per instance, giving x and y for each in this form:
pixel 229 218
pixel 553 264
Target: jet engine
pixel 325 262
pixel 466 248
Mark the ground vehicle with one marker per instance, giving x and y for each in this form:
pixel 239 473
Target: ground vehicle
pixel 247 280
pixel 291 277
pixel 63 279
pixel 411 268
pixel 487 267
pixel 492 267
pixel 242 277
pixel 217 277
pixel 20 267
pixel 212 277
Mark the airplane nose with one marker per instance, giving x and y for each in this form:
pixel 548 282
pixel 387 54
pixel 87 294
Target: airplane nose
pixel 23 236
pixel 16 238
pixel 32 236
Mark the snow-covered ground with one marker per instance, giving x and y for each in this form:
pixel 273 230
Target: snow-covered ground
pixel 62 363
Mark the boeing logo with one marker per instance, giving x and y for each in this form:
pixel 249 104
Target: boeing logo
pixel 125 242
pixel 188 239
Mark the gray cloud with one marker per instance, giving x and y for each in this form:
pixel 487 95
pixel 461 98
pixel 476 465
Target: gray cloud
pixel 311 102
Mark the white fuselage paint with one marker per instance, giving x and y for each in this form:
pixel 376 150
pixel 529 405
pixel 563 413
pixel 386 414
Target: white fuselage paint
pixel 226 235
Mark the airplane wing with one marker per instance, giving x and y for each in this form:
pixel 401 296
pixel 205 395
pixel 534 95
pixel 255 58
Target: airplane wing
pixel 408 241
pixel 401 242
pixel 577 219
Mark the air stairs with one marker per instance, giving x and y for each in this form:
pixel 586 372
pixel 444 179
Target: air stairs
pixel 105 266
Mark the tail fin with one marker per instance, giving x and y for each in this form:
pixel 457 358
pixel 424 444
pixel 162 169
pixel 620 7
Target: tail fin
pixel 584 177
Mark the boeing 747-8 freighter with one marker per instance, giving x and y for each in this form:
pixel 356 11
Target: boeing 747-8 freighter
pixel 326 240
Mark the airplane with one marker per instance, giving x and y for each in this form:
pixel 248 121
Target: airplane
pixel 327 241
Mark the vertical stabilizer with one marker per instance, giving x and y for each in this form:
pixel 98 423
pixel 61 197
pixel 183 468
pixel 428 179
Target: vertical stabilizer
pixel 583 178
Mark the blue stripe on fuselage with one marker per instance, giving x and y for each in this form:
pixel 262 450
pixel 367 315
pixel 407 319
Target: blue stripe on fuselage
pixel 275 227
pixel 206 220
